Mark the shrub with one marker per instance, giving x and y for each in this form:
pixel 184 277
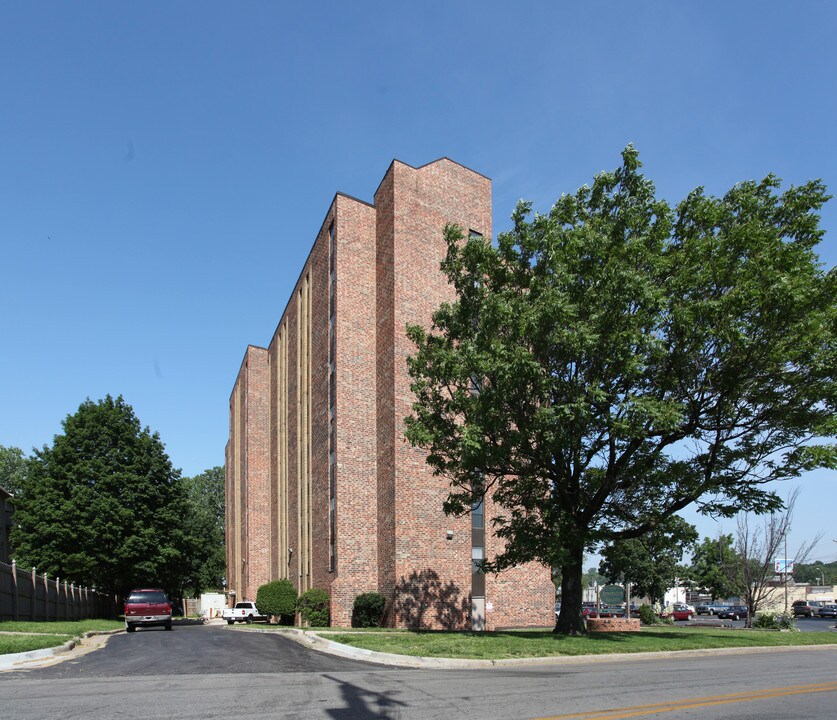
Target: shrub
pixel 278 598
pixel 313 606
pixel 774 621
pixel 648 616
pixel 368 610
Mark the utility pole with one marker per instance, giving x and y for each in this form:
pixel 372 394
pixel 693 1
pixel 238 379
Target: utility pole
pixel 785 568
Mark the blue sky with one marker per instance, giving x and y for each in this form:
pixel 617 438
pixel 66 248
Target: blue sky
pixel 164 167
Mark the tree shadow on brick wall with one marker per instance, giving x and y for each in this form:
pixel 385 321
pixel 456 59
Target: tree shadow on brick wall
pixel 422 601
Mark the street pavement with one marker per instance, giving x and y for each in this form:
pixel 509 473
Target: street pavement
pixel 217 672
pixel 247 659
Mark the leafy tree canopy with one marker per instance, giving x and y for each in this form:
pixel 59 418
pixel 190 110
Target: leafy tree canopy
pixel 204 526
pixel 816 573
pixel 13 469
pixel 607 364
pixel 710 570
pixel 651 562
pixel 592 576
pixel 103 506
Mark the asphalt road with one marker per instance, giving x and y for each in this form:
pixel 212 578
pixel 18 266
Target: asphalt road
pixel 194 649
pixel 214 672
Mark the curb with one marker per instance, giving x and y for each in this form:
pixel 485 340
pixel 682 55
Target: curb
pixel 321 644
pixel 11 660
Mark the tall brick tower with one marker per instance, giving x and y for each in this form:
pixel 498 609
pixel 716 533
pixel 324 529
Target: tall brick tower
pixel 322 487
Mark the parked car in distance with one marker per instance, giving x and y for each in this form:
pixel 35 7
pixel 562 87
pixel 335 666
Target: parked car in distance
pixel 734 612
pixel 806 608
pixel 605 611
pixel 147 607
pixel 679 611
pixel 710 609
pixel 244 611
pixel 828 611
pixel 587 608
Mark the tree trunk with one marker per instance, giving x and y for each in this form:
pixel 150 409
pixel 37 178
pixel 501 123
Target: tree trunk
pixel 570 621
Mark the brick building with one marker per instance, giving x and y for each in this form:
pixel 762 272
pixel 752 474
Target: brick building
pixel 322 487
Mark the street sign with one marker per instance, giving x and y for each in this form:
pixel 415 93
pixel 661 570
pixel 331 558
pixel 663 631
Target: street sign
pixel 612 594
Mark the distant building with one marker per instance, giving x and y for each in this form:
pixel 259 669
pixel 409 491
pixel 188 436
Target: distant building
pixel 322 487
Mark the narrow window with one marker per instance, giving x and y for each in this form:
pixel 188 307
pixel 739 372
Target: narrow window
pixel 332 399
pixel 477 549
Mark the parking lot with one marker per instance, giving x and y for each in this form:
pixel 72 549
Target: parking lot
pixel 812 624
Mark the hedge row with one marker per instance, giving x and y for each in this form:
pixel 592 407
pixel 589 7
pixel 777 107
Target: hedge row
pixel 279 598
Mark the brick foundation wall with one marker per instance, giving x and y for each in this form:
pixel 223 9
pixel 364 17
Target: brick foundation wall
pixel 613 625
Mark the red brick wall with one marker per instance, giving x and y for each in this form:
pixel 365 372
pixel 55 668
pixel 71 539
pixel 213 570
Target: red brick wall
pixel 256 460
pixel 384 385
pixel 356 480
pixel 523 596
pixel 426 562
pixel 293 439
pixel 433 574
pixel 273 455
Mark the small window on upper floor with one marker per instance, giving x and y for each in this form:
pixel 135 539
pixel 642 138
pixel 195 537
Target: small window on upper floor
pixel 477 515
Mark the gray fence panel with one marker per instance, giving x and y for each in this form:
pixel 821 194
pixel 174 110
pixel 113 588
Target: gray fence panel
pixel 25 595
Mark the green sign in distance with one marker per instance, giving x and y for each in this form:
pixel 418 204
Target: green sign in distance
pixel 612 594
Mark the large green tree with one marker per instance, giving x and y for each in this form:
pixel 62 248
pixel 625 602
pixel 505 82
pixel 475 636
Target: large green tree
pixel 710 569
pixel 103 506
pixel 607 364
pixel 204 526
pixel 650 562
pixel 14 467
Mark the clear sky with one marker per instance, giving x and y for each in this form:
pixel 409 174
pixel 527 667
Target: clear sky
pixel 165 166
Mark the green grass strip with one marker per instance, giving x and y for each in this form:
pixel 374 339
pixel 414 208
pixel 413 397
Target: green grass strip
pixel 74 628
pixel 521 644
pixel 25 643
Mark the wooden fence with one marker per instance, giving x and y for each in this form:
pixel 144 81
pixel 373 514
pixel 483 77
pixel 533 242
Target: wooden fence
pixel 25 595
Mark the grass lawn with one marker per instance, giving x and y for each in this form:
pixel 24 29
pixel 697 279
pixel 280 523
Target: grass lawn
pixel 22 636
pixel 74 628
pixel 542 643
pixel 25 643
